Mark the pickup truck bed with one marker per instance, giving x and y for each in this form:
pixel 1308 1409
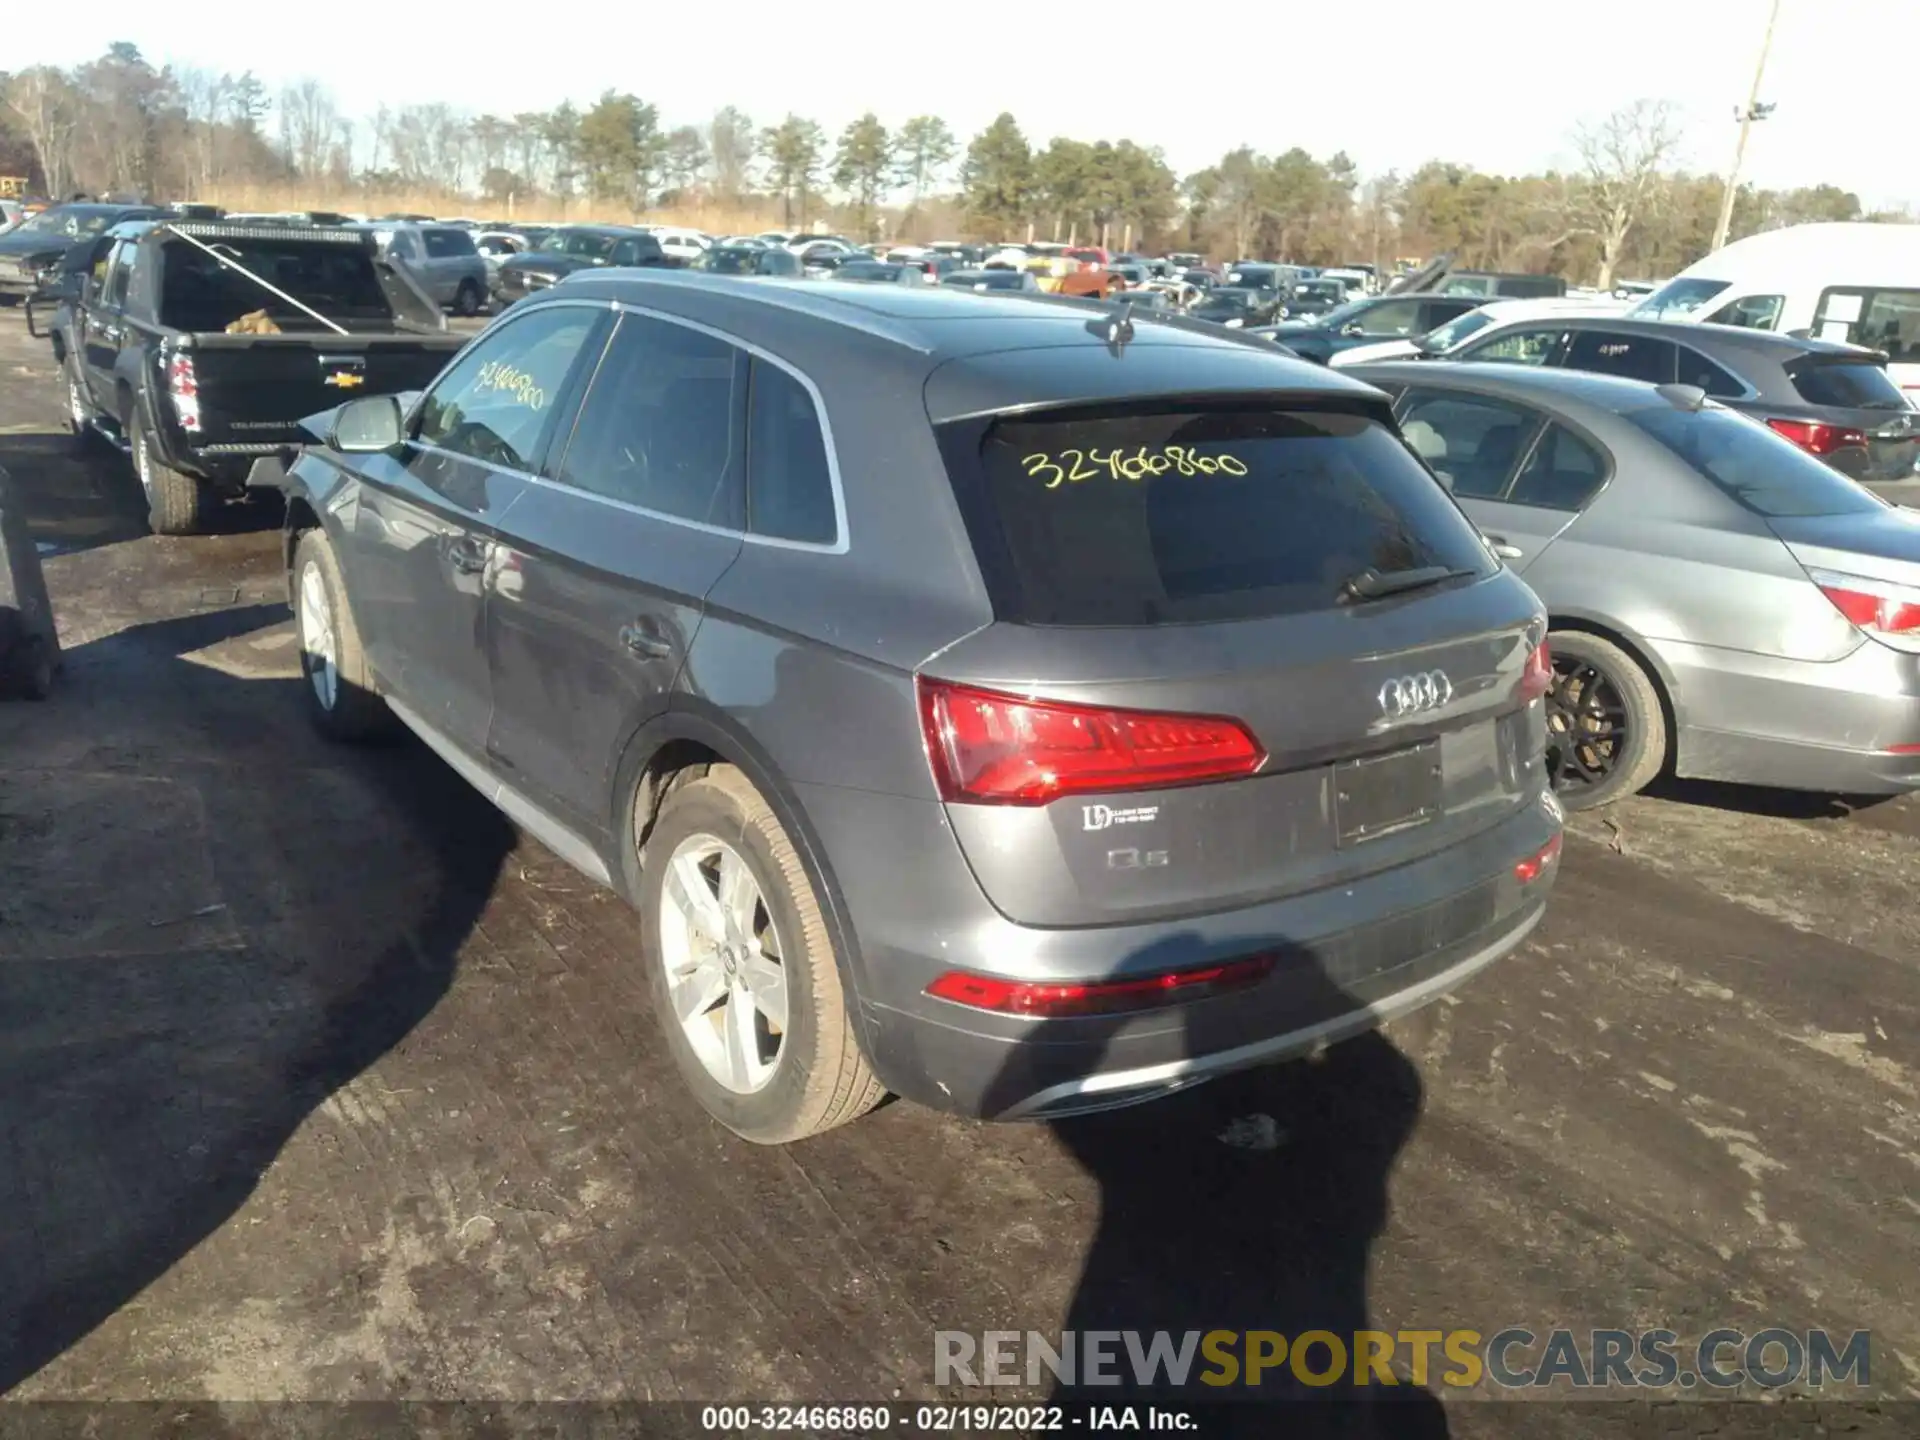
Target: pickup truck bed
pixel 162 351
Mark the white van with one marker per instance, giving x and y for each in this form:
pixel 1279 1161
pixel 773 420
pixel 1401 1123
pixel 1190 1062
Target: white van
pixel 1858 282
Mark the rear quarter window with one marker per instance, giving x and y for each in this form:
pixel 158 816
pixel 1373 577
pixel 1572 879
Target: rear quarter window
pixel 1166 515
pixel 1768 475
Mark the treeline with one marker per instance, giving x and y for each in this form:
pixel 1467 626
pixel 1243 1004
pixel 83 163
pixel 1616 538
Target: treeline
pixel 119 125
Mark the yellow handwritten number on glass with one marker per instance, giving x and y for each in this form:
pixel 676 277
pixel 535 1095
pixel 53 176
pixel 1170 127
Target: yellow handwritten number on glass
pixel 1041 464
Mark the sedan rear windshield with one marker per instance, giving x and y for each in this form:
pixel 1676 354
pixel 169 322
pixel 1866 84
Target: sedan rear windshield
pixel 1770 476
pixel 1169 515
pixel 1854 386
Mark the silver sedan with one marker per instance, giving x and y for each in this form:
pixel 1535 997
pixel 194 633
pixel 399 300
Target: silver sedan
pixel 1723 605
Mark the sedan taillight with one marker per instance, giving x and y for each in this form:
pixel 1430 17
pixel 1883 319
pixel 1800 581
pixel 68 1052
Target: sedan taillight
pixel 1887 612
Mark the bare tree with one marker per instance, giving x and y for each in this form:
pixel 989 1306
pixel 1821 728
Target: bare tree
pixel 309 125
pixel 1622 160
pixel 49 112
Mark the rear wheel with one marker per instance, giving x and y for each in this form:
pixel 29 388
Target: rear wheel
pixel 743 973
pixel 466 300
pixel 1606 729
pixel 176 503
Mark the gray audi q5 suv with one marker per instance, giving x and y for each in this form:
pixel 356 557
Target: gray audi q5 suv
pixel 991 700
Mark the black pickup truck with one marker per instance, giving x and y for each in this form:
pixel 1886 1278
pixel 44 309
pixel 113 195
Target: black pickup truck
pixel 150 362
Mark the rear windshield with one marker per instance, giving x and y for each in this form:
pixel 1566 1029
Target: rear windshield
pixel 1857 387
pixel 199 293
pixel 1767 474
pixel 1167 516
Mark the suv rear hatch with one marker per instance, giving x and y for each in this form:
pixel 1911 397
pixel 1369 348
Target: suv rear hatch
pixel 1183 705
pixel 1863 425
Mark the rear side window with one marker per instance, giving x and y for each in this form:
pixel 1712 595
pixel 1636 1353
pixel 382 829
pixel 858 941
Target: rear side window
pixel 1171 515
pixel 660 426
pixel 1716 380
pixel 1470 441
pixel 1634 357
pixel 1518 347
pixel 1851 386
pixel 1770 476
pixel 789 487
pixel 1563 473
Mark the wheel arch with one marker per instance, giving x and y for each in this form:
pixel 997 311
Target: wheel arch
pixel 694 732
pixel 1643 655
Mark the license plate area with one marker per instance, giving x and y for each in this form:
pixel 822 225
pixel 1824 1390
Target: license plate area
pixel 1385 794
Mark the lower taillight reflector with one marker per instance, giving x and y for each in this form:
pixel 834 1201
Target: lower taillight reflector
pixel 1537 864
pixel 1044 1000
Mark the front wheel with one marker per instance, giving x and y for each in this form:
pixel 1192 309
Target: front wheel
pixel 466 300
pixel 743 973
pixel 1606 729
pixel 80 415
pixel 341 699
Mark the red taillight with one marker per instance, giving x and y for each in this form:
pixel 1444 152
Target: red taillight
pixel 184 390
pixel 1816 437
pixel 1537 864
pixel 1537 678
pixel 1045 1000
pixel 1877 606
pixel 996 749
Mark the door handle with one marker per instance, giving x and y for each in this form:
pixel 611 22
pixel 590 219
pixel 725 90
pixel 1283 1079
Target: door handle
pixel 644 643
pixel 1502 548
pixel 467 556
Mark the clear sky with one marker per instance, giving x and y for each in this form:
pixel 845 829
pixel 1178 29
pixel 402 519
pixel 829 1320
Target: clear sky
pixel 1493 83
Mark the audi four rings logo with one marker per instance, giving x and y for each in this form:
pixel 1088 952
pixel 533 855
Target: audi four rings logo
pixel 1413 694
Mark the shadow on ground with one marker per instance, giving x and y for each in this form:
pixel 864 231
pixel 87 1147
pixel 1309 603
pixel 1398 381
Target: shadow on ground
pixel 1247 1204
pixel 83 496
pixel 194 952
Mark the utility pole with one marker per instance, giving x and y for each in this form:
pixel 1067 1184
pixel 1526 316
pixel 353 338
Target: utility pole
pixel 1752 111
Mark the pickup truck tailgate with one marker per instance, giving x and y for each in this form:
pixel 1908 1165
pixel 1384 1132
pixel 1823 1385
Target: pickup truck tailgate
pixel 255 389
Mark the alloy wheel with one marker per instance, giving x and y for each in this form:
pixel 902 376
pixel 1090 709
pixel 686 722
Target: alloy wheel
pixel 725 976
pixel 1587 733
pixel 319 651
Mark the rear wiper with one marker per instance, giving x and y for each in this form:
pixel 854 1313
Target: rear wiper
pixel 1378 584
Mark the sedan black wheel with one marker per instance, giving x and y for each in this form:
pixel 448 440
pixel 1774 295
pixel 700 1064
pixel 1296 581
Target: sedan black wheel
pixel 1606 729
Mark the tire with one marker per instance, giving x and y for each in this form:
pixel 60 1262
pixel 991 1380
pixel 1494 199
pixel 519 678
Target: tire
pixel 818 1077
pixel 176 503
pixel 467 299
pixel 1597 683
pixel 349 708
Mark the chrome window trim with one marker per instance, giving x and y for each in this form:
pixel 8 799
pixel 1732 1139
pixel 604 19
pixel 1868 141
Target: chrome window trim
pixel 841 542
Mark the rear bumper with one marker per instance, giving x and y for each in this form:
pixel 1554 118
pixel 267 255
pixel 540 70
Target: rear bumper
pixel 1836 726
pixel 1346 958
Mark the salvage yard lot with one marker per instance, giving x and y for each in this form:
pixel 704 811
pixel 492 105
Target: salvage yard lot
pixel 318 1081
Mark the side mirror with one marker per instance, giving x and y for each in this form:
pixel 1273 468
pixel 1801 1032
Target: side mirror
pixel 370 425
pixel 1352 328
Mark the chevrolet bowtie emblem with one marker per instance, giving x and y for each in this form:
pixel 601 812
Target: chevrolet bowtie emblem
pixel 345 380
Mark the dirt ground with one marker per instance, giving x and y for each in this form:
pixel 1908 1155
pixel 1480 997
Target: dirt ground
pixel 318 1081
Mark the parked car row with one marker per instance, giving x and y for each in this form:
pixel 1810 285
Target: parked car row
pixel 712 577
